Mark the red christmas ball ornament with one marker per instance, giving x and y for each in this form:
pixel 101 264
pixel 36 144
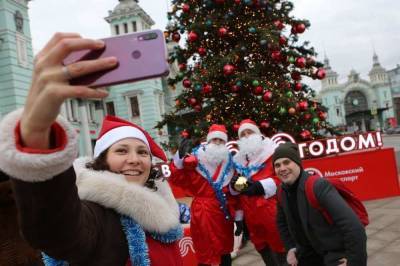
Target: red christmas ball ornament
pixel 300 28
pixel 322 115
pixel 292 111
pixel 300 62
pixel 186 83
pixel 185 134
pixel 303 105
pixel 282 40
pixel 276 56
pixel 235 127
pixel 186 8
pixel 258 90
pixel 237 2
pixel 267 97
pixel 192 37
pixel 307 116
pixel 296 76
pixel 321 73
pixel 293 30
pixel 222 32
pixel 264 124
pixel 305 134
pixel 228 69
pixel 182 67
pixel 278 24
pixel 197 108
pixel 192 101
pixel 190 162
pixel 176 37
pixel 235 88
pixel 298 86
pixel 207 88
pixel 202 51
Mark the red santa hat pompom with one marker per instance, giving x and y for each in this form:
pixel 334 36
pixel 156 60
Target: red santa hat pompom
pixel 248 124
pixel 115 129
pixel 217 131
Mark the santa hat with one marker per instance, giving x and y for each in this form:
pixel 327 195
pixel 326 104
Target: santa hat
pixel 217 131
pixel 115 129
pixel 248 124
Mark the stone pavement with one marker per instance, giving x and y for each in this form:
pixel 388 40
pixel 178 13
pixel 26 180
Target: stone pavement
pixel 383 236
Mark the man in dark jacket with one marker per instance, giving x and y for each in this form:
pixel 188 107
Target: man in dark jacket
pixel 308 237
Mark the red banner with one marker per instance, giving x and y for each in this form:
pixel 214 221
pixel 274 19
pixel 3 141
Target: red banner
pixel 369 174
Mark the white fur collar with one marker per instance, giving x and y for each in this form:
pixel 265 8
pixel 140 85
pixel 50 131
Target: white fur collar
pixel 211 168
pixel 156 211
pixel 268 149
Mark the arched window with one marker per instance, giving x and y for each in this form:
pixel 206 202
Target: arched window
pixel 355 101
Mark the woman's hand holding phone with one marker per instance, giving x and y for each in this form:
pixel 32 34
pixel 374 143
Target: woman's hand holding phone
pixel 50 85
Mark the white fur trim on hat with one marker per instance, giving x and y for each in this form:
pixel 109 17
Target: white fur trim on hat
pixel 117 134
pixel 217 135
pixel 252 127
pixel 32 167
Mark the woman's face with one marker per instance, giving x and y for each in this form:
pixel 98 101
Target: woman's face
pixel 130 157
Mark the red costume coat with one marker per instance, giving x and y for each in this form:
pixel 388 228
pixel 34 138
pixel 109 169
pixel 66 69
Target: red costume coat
pixel 260 212
pixel 212 233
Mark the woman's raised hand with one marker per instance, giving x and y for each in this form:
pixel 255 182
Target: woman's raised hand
pixel 50 85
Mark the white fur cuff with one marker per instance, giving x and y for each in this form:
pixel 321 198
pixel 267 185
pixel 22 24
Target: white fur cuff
pixel 31 167
pixel 269 187
pixel 178 162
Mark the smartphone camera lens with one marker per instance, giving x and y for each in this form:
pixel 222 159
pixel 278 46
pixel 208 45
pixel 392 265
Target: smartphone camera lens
pixel 136 54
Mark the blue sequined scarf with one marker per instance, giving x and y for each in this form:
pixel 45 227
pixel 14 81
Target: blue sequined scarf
pixel 138 249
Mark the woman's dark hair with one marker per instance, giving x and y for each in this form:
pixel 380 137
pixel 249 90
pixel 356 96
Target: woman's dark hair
pixel 100 164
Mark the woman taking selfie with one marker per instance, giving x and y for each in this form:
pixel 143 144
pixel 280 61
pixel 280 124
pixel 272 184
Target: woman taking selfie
pixel 110 210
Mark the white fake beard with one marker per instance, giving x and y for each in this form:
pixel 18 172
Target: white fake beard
pixel 215 154
pixel 250 146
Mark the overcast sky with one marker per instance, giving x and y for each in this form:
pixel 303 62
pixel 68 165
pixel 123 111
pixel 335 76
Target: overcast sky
pixel 347 30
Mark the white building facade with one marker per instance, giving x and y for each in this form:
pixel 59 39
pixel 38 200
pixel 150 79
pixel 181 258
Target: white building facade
pixel 358 104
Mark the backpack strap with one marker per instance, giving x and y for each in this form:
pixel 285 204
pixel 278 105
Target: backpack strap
pixel 312 199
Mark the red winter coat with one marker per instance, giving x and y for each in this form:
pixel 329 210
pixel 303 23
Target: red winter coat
pixel 212 233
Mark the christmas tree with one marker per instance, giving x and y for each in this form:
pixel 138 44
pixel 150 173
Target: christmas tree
pixel 242 59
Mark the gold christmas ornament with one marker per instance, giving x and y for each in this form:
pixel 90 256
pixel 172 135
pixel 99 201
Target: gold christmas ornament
pixel 241 184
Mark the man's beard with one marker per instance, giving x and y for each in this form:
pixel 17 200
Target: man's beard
pixel 215 154
pixel 250 146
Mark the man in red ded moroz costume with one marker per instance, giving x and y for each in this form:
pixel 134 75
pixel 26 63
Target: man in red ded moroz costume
pixel 256 185
pixel 206 174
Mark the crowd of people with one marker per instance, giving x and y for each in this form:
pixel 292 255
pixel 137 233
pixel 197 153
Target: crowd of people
pixel 113 209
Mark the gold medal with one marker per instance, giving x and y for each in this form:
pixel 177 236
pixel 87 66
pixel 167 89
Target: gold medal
pixel 240 184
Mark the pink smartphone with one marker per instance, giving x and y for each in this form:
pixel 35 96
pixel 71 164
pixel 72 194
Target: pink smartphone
pixel 141 55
